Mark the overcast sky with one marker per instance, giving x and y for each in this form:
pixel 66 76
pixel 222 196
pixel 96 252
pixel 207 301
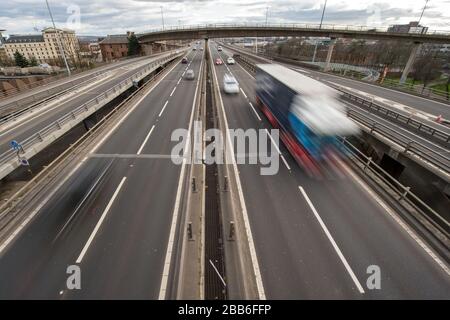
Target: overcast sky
pixel 101 17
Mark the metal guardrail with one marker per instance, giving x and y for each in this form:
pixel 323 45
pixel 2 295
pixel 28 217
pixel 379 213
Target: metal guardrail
pixel 407 120
pixel 87 106
pixel 323 27
pixel 409 146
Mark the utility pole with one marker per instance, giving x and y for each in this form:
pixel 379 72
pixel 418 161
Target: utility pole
pixel 320 27
pixel 58 40
pixel 162 17
pixel 265 38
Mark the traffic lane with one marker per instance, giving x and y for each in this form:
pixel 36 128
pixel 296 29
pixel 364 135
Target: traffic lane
pixel 134 238
pixel 24 131
pixel 344 198
pixel 369 236
pixel 280 221
pixel 82 77
pixel 408 133
pixel 34 265
pixel 427 105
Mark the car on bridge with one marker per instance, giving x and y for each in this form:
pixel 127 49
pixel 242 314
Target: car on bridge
pixel 230 60
pixel 230 84
pixel 218 61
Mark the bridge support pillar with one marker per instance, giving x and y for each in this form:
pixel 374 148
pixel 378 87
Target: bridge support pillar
pixel 329 54
pixel 409 64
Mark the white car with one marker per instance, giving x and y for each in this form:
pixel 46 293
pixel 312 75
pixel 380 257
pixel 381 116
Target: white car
pixel 230 60
pixel 230 84
pixel 190 75
pixel 219 48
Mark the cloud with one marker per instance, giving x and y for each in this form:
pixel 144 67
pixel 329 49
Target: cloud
pixel 101 17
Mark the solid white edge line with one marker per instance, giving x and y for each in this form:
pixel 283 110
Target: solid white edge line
pixel 253 256
pixel 64 180
pixel 100 221
pixel 173 227
pixel 254 110
pixel 163 108
pixel 333 243
pixel 398 220
pixel 145 140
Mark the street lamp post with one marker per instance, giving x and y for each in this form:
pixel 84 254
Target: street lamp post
pixel 162 17
pixel 58 40
pixel 320 27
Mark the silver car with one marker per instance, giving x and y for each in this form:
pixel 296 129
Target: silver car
pixel 190 75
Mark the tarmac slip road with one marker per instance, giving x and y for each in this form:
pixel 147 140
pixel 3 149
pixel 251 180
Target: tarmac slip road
pixel 114 216
pixel 30 123
pixel 322 239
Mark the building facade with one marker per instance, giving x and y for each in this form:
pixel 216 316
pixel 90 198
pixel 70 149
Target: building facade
pixel 44 47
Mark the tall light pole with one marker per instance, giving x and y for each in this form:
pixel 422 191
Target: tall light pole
pixel 58 40
pixel 320 27
pixel 423 10
pixel 162 17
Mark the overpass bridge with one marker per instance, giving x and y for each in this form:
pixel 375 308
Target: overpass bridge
pixel 207 31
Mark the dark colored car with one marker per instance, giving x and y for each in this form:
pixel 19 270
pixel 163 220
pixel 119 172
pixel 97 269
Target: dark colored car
pixel 184 60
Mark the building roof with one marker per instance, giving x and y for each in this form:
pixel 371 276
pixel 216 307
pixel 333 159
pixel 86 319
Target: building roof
pixel 115 39
pixel 25 38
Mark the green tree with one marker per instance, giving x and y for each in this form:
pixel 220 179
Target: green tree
pixel 20 60
pixel 33 62
pixel 133 45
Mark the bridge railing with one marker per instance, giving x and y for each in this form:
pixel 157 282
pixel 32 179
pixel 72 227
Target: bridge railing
pixel 300 26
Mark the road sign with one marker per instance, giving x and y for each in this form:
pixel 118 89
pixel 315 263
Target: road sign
pixel 15 145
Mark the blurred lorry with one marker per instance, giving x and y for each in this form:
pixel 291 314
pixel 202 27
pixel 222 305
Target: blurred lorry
pixel 308 114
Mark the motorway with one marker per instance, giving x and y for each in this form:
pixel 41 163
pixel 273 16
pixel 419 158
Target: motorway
pixel 317 239
pixel 29 123
pixel 113 215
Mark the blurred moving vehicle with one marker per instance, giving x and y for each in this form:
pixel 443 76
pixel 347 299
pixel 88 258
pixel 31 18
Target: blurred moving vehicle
pixel 190 75
pixel 308 114
pixel 230 60
pixel 230 84
pixel 184 60
pixel 219 48
pixel 218 61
